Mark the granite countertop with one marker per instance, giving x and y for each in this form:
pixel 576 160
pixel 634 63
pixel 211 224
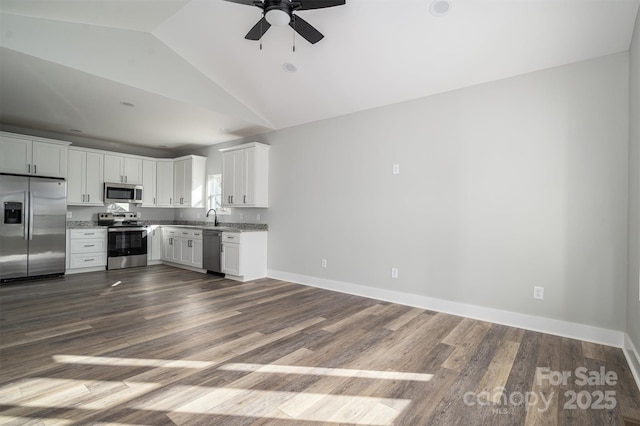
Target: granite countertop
pixel 227 226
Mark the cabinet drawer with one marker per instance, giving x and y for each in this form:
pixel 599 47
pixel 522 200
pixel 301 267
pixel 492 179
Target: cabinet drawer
pixel 230 237
pixel 192 234
pixel 88 245
pixel 88 233
pixel 87 260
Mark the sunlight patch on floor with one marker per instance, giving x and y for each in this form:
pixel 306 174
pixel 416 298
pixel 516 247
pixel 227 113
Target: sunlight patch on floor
pixel 320 371
pixel 94 396
pixel 18 420
pixel 185 403
pixel 271 405
pixel 72 393
pixel 131 362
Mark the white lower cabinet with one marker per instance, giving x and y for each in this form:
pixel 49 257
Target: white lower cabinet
pixel 182 246
pixel 231 257
pixel 154 244
pixel 244 255
pixel 86 250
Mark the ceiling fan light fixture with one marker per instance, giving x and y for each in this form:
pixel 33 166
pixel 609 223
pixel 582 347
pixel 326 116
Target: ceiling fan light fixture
pixel 277 17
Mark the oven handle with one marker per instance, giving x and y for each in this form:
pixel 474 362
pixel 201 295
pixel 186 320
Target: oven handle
pixel 127 229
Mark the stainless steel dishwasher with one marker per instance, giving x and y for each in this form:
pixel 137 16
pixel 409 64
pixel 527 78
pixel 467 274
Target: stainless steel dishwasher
pixel 212 250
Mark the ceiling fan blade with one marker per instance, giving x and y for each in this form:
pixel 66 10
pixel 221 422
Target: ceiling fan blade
pixel 258 30
pixel 318 4
pixel 247 2
pixel 305 29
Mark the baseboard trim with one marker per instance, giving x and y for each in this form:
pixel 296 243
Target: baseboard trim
pixel 181 266
pixel 513 319
pixel 633 358
pixel 83 270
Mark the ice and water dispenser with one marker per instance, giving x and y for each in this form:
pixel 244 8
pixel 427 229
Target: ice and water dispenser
pixel 12 213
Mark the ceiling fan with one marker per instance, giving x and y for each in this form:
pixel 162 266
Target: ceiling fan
pixel 281 13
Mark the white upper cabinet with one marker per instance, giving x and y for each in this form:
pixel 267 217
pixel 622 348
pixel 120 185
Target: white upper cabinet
pixel 85 177
pixel 49 159
pixel 33 157
pixel 149 183
pixel 164 183
pixel 245 175
pixel 122 169
pixel 189 181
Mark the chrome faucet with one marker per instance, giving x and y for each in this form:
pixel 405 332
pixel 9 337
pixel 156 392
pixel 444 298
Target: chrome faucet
pixel 215 216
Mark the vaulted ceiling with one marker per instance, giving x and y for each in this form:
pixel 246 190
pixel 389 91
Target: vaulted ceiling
pixel 71 67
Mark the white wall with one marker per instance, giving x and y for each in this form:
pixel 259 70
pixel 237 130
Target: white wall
pixel 503 186
pixel 633 304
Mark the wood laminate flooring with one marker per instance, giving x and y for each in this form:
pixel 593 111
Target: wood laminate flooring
pixel 160 345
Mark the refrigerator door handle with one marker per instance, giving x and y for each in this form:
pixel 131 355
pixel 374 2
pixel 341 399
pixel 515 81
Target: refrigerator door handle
pixel 30 215
pixel 25 218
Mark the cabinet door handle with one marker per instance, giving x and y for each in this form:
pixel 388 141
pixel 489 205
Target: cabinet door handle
pixel 29 168
pixel 83 198
pixel 89 233
pixel 125 179
pixel 244 199
pixel 170 200
pixel 89 245
pixel 88 198
pixel 170 241
pixel 89 260
pixel 154 200
pixel 35 169
pixel 121 178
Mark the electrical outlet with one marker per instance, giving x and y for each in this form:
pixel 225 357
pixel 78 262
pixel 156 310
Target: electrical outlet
pixel 138 215
pixel 69 215
pixel 538 293
pixel 396 169
pixel 324 263
pixel 394 272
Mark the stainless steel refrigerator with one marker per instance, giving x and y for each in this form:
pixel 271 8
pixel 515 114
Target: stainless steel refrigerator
pixel 32 226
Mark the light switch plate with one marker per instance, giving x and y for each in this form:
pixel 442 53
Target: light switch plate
pixel 396 169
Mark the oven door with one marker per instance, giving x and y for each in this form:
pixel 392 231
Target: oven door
pixel 127 242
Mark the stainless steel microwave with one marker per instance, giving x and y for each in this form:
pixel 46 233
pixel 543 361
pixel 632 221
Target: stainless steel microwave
pixel 122 193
